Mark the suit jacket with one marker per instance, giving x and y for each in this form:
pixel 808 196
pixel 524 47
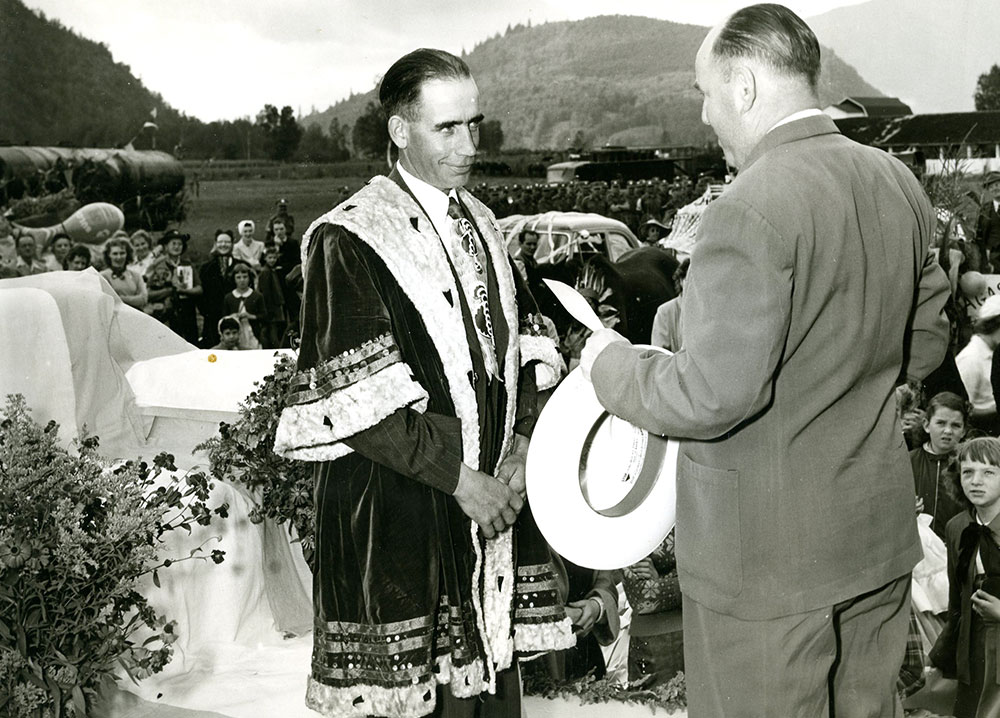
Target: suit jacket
pixel 988 230
pixel 794 488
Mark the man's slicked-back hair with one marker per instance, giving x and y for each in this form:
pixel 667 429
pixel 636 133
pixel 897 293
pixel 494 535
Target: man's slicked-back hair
pixel 399 90
pixel 774 35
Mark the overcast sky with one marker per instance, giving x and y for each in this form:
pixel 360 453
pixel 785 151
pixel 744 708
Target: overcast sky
pixel 223 59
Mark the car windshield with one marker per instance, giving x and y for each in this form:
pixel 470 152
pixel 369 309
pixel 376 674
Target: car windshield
pixel 556 247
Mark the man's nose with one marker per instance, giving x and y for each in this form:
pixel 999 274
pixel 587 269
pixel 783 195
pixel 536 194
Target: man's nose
pixel 466 142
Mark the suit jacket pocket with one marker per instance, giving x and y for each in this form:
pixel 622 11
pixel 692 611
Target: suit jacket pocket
pixel 708 526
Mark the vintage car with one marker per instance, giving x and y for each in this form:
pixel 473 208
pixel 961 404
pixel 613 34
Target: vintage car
pixel 623 279
pixel 564 236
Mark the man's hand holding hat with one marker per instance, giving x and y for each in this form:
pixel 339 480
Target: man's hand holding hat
pixel 594 346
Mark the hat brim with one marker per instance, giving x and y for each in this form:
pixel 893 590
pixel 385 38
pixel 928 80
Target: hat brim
pixel 644 504
pixel 162 241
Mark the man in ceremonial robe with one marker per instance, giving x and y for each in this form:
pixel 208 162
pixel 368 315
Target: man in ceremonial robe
pixel 416 396
pixel 809 295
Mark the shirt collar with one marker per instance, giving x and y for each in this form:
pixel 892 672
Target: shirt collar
pixel 994 525
pixel 800 115
pixel 245 293
pixel 433 200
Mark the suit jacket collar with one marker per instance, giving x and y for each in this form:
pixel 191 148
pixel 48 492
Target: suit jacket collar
pixel 994 526
pixel 791 132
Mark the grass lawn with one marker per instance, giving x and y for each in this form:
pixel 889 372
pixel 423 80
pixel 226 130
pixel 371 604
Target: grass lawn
pixel 223 203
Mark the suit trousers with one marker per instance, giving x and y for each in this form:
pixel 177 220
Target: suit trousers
pixel 505 703
pixel 836 662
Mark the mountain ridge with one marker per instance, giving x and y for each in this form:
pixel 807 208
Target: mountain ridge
pixel 614 78
pixel 604 77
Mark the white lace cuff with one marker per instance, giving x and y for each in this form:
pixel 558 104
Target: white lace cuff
pixel 314 431
pixel 550 366
pixel 544 636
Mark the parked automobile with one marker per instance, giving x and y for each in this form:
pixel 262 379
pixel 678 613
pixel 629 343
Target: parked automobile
pixel 623 280
pixel 570 235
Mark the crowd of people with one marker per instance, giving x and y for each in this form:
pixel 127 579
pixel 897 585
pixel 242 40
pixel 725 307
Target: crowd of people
pixel 246 295
pixel 644 205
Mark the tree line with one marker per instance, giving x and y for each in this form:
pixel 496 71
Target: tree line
pixel 277 135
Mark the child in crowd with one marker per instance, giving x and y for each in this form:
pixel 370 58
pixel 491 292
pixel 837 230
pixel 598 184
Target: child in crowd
pixel 656 639
pixel 229 334
pixel 271 286
pixel 968 646
pixel 248 249
pixel 160 290
pixel 944 423
pixel 248 306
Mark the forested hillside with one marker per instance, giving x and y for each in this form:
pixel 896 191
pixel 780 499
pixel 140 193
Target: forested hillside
pixel 621 79
pixel 56 86
pixel 599 79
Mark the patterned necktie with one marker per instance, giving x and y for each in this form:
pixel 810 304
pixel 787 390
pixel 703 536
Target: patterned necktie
pixel 476 293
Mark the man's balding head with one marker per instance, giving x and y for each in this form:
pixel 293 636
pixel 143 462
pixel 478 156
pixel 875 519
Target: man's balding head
pixel 758 67
pixel 771 35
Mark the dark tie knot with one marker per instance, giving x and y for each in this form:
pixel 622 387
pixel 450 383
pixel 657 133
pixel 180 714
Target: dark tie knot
pixel 455 209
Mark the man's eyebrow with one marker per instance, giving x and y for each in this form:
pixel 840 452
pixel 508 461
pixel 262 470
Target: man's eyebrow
pixel 455 123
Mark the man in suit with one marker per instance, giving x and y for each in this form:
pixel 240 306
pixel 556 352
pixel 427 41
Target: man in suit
pixel 808 294
pixel 411 397
pixel 988 223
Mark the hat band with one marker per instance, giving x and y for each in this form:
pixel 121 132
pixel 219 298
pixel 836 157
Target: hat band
pixel 651 453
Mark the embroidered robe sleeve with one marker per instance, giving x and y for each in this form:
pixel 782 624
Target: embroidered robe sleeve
pixel 353 391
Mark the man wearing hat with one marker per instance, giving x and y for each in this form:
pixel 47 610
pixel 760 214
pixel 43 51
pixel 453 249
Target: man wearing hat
pixel 810 296
pixel 283 215
pixel 415 396
pixel 974 364
pixel 186 285
pixel 653 230
pixel 988 223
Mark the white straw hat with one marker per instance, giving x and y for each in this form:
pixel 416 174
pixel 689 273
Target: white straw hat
pixel 602 491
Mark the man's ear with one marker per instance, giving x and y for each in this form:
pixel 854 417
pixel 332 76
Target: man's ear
pixel 399 131
pixel 743 84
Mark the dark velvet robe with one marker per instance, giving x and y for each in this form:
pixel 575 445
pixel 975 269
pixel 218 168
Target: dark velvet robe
pixel 397 595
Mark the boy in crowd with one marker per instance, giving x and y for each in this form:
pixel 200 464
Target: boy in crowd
pixel 229 334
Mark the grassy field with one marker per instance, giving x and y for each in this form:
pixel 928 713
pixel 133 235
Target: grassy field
pixel 223 203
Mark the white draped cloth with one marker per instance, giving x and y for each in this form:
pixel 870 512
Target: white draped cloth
pixel 66 341
pixel 86 360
